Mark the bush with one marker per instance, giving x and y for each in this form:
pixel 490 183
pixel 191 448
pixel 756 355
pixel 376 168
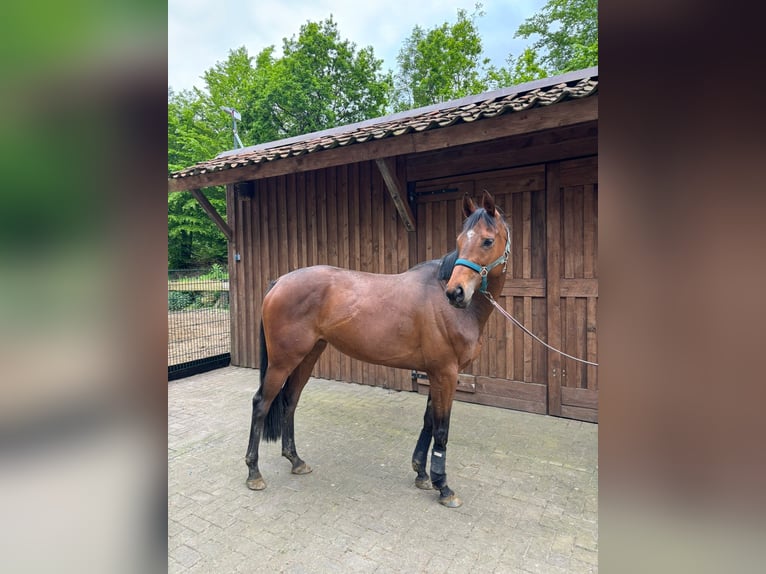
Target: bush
pixel 178 300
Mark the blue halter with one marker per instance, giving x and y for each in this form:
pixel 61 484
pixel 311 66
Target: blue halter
pixel 484 270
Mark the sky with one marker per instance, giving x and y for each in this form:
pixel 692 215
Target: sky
pixel 201 32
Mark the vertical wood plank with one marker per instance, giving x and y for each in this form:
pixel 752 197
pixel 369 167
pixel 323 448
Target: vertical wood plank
pixel 578 231
pixel 322 256
pixel 526 248
pixel 379 196
pixel 517 231
pixel 301 214
pixel 248 258
pixel 518 341
pixel 235 326
pixel 274 253
pixel 528 341
pixel 284 258
pixel 429 242
pixel 311 219
pixel 540 326
pixel 570 328
pixel 353 216
pixel 365 221
pixel 261 197
pixel 321 199
pixel 538 234
pixel 589 235
pixel 595 229
pixel 553 283
pixel 256 295
pixel 390 243
pixel 592 344
pixel 569 251
pixel 241 287
pixel 343 245
pixel 332 215
pixel 580 342
pixel 292 222
pixel 354 242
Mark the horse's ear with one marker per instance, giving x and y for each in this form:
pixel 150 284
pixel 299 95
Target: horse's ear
pixel 488 203
pixel 468 205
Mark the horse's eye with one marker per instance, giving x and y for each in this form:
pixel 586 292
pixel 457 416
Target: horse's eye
pixel 488 242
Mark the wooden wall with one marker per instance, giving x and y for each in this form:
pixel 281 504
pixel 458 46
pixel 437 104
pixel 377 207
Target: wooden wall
pixel 340 216
pixel 546 183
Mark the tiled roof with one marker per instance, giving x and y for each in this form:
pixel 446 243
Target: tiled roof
pixel 487 105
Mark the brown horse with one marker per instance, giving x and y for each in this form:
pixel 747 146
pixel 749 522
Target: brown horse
pixel 402 321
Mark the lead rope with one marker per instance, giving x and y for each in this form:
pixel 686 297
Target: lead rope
pixel 516 322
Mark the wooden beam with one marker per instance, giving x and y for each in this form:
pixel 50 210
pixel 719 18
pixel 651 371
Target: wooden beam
pixel 211 211
pixel 397 191
pixel 524 149
pixel 567 113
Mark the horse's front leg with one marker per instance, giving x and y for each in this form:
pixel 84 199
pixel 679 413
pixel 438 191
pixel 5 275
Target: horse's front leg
pixel 443 387
pixel 420 456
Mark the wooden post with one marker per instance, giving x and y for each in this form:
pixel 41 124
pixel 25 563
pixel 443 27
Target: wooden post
pixel 397 191
pixel 211 211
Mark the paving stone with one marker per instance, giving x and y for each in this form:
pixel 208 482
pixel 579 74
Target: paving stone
pixel 529 485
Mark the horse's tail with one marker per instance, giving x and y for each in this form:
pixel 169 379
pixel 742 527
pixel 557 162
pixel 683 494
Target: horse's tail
pixel 272 426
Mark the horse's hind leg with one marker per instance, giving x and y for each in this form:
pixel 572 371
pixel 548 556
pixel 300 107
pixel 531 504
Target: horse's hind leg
pixel 262 401
pixel 420 456
pixel 292 393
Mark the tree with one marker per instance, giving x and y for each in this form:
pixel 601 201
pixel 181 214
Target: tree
pixel 198 130
pixel 524 68
pixel 568 34
pixel 321 81
pixel 193 239
pixel 441 64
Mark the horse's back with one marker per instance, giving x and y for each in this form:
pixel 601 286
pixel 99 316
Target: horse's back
pixel 377 318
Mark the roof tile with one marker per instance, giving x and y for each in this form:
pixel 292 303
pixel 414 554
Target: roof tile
pixel 494 104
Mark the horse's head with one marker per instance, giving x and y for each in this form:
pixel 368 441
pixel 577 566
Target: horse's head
pixel 482 246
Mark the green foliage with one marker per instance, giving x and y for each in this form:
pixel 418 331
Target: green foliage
pixel 567 32
pixel 179 300
pixel 216 273
pixel 198 130
pixel 321 81
pixel 441 64
pixel 523 69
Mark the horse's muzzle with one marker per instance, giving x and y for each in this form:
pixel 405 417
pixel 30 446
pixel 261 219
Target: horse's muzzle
pixel 456 297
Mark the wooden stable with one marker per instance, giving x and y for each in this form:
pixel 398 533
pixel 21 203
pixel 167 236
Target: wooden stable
pixel 384 203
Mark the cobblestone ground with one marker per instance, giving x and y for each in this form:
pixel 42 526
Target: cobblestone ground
pixel 528 482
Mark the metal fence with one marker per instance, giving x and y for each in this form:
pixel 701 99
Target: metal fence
pixel 198 321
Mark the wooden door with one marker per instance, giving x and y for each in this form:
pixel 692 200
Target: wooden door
pixel 551 285
pixel 572 285
pixel 509 372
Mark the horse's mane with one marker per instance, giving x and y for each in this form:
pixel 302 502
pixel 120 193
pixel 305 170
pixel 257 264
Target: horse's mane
pixel 446 265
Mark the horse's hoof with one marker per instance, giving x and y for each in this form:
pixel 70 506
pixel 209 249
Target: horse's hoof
pixel 451 501
pixel 302 468
pixel 424 484
pixel 256 483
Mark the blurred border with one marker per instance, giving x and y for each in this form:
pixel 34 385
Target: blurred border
pixel 683 278
pixel 83 252
pixel 82 279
